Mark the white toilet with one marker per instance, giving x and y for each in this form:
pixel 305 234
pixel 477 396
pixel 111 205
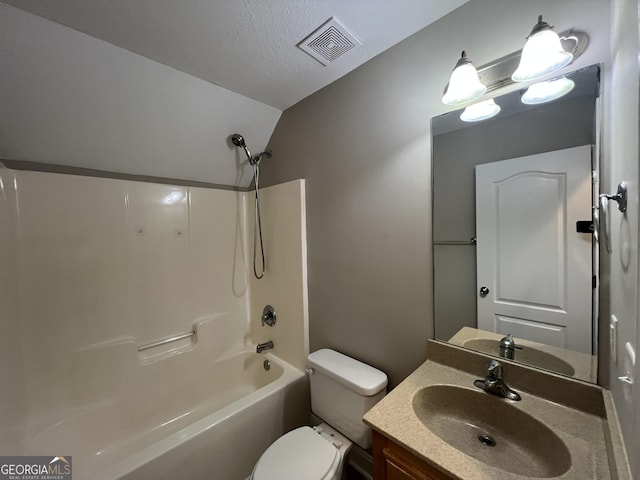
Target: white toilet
pixel 342 391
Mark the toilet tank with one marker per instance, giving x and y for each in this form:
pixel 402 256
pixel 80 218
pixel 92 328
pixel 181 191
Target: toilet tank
pixel 343 389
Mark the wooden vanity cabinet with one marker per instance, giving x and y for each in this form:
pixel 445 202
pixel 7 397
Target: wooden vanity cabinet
pixel 393 462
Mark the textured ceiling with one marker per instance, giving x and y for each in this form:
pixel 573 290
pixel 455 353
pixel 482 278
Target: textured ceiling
pixel 246 46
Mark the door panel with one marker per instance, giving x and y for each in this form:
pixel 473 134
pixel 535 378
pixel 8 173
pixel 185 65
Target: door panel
pixel 536 266
pixel 554 335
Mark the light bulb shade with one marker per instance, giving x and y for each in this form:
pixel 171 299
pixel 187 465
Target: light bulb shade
pixel 541 55
pixel 547 91
pixel 464 85
pixel 480 111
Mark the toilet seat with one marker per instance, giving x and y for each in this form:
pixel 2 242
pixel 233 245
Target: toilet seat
pixel 301 454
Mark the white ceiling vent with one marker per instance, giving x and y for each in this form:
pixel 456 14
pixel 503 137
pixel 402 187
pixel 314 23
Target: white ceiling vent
pixel 330 41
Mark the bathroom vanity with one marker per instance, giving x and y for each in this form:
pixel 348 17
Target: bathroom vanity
pixel 437 425
pixel 394 462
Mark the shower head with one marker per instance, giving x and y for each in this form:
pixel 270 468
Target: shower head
pixel 238 140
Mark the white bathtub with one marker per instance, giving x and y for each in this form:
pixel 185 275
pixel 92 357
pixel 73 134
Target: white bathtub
pixel 211 421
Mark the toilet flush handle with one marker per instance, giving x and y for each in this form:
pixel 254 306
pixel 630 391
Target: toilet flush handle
pixel 310 371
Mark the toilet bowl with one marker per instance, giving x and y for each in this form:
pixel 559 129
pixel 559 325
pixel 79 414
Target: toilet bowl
pixel 313 453
pixel 342 391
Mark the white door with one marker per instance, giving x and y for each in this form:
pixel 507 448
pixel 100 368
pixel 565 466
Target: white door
pixel 536 267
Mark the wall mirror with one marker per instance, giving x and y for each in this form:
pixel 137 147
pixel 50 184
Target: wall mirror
pixel 515 259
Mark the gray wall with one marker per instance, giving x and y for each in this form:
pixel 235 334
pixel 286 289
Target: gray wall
pixel 554 126
pixel 621 128
pixel 363 145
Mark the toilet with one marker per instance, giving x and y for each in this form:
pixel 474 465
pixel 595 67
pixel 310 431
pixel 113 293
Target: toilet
pixel 342 391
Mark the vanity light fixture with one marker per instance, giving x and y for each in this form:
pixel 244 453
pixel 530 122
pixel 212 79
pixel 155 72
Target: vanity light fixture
pixel 464 85
pixel 480 111
pixel 547 91
pixel 542 54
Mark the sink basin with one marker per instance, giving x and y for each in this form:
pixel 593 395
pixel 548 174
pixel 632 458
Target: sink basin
pixel 491 430
pixel 529 355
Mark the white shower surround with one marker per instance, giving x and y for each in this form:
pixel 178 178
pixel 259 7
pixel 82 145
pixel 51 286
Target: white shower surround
pixel 99 267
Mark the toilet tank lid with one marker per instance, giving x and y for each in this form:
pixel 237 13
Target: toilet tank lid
pixel 359 377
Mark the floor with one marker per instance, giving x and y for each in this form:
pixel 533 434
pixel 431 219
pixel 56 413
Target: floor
pixel 352 474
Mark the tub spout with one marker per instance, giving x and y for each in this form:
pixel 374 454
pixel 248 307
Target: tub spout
pixel 261 347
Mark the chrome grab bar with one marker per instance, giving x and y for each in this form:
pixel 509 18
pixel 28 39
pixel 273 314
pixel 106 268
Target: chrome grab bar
pixel 471 241
pixel 173 338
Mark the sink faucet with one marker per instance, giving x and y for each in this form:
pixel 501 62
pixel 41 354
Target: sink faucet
pixel 261 347
pixel 508 346
pixel 494 384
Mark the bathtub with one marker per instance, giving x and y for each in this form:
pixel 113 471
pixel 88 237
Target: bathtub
pixel 210 421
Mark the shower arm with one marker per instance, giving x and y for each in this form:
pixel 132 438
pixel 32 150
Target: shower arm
pixel 256 158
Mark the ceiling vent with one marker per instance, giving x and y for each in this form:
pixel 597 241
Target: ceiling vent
pixel 329 42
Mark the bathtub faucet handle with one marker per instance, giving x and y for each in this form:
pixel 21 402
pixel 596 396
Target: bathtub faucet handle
pixel 269 316
pixel 261 347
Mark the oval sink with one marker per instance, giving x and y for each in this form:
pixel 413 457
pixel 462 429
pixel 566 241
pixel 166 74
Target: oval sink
pixel 529 355
pixel 491 430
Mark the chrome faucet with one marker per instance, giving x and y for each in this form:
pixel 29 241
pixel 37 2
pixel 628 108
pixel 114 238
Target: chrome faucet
pixel 494 384
pixel 261 347
pixel 508 347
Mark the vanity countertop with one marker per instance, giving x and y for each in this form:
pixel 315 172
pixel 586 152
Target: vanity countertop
pixel 582 415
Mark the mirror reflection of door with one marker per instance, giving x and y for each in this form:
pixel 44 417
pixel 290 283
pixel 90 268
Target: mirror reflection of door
pixel 533 268
pixel 519 130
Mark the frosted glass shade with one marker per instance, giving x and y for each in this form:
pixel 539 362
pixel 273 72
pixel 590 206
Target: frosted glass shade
pixel 464 85
pixel 547 91
pixel 480 111
pixel 541 55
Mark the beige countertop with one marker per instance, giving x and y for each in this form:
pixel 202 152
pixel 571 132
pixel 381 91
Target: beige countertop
pixel 581 415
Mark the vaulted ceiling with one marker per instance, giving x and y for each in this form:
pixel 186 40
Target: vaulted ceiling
pixel 157 87
pixel 246 46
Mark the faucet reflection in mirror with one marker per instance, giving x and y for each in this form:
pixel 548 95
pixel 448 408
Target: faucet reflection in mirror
pixel 508 347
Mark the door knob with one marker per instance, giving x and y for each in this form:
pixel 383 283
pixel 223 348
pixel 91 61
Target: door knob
pixel 484 291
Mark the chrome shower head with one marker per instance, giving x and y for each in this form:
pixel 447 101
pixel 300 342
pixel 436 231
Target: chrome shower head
pixel 238 140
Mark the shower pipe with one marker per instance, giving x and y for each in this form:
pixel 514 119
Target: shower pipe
pixel 254 161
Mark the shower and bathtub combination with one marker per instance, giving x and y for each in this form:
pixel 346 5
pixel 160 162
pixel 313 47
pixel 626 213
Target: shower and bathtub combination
pixel 136 316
